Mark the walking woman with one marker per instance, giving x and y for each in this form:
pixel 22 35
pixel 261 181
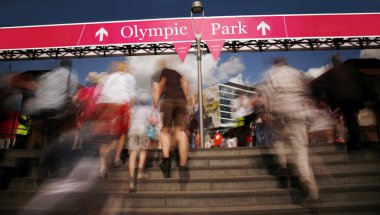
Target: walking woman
pixel 112 112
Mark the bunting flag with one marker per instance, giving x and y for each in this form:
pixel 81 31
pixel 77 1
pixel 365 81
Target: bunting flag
pixel 215 47
pixel 182 49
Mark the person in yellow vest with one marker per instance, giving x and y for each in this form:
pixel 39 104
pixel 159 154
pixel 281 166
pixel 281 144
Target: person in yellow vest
pixel 24 124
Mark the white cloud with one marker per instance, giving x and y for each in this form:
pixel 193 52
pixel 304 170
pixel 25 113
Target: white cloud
pixel 365 53
pixel 370 53
pixel 232 66
pixel 316 72
pixel 143 67
pixel 238 79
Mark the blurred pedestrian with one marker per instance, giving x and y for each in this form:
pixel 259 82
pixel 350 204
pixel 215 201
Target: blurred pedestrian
pixel 12 88
pixel 346 88
pixel 242 112
pixel 172 89
pixel 290 104
pixel 23 131
pixel 153 132
pixel 138 142
pixel 262 129
pixel 112 113
pixel 51 108
pixel 84 102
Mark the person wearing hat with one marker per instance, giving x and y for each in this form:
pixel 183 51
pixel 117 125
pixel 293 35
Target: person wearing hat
pixel 84 102
pixel 112 112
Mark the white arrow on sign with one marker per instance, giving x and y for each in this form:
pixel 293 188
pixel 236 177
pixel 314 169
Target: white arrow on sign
pixel 263 26
pixel 101 33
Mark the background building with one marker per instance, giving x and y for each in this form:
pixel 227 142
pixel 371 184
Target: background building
pixel 217 103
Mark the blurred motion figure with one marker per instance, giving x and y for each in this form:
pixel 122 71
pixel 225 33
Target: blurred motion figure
pixel 112 113
pixel 172 89
pixel 291 106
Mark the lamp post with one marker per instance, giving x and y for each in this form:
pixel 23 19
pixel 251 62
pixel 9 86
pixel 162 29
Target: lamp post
pixel 197 8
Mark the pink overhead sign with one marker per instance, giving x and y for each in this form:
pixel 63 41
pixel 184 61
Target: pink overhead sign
pixel 180 30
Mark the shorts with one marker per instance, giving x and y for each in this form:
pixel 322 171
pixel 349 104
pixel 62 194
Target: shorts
pixel 174 112
pixel 137 142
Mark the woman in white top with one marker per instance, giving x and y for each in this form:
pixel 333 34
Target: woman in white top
pixel 117 96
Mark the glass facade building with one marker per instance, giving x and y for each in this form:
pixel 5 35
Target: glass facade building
pixel 217 103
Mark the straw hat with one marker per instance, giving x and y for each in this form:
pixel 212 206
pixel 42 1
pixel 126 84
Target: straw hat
pixel 92 78
pixel 119 66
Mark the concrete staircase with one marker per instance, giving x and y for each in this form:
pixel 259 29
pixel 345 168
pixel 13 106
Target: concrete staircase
pixel 223 181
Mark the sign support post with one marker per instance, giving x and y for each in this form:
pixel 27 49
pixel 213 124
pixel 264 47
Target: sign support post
pixel 197 7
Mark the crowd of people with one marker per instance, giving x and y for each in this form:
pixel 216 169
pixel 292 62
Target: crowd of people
pixel 115 116
pixel 109 113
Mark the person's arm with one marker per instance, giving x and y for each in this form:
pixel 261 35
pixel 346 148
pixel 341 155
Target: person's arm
pixel 184 86
pixel 157 89
pixel 21 82
pixel 75 100
pixel 133 101
pixel 155 94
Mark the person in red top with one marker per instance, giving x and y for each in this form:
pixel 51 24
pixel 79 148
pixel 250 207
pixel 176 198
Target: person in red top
pixel 218 139
pixel 84 102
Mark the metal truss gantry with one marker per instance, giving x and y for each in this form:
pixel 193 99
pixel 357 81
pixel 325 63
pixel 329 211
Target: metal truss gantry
pixel 167 48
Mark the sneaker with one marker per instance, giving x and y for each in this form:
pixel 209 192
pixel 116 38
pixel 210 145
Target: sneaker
pixel 282 171
pixel 142 175
pixel 310 203
pixel 132 185
pixel 184 173
pixel 118 163
pixel 104 174
pixel 165 167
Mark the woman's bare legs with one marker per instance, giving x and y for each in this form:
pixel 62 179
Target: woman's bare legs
pixel 132 167
pixel 104 151
pixel 183 146
pixel 119 149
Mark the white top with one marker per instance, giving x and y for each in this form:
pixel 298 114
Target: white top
pixel 52 91
pixel 118 87
pixel 289 96
pixel 241 107
pixel 286 90
pixel 140 119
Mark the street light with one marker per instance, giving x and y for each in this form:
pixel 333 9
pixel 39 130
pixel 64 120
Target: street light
pixel 197 7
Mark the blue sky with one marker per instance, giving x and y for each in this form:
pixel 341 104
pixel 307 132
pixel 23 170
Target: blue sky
pixel 249 66
pixel 36 12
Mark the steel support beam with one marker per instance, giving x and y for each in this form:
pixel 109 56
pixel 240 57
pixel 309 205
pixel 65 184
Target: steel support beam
pixel 167 48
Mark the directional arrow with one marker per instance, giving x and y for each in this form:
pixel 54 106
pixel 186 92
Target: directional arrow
pixel 101 33
pixel 263 26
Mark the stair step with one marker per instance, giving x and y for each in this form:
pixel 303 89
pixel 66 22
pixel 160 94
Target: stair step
pixel 186 199
pixel 356 208
pixel 236 170
pixel 213 159
pixel 24 153
pixel 341 208
pixel 366 207
pixel 223 181
pixel 217 183
pixel 199 153
pixel 251 170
